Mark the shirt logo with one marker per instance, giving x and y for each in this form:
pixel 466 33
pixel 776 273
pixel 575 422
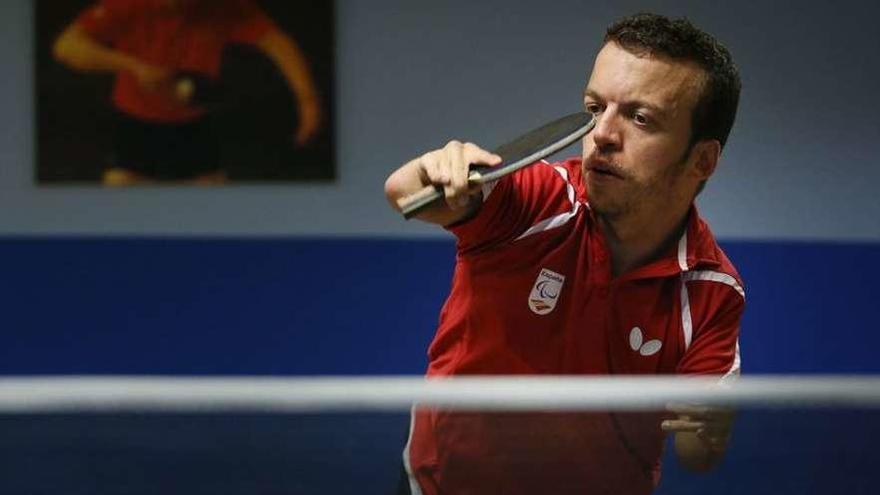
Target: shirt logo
pixel 545 292
pixel 648 348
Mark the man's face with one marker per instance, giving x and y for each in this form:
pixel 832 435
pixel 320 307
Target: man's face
pixel 634 160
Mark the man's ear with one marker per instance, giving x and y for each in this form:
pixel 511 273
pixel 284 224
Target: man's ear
pixel 706 154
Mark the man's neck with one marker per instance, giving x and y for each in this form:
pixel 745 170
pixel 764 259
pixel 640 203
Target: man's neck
pixel 636 241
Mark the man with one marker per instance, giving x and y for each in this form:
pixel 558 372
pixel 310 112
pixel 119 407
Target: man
pixel 597 265
pixel 163 131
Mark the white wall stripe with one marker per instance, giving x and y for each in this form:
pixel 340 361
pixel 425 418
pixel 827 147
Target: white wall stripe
pixel 414 487
pixel 682 251
pixel 714 277
pixel 687 326
pixel 562 218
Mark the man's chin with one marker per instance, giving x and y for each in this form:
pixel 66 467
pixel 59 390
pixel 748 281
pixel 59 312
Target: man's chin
pixel 606 206
pixel 604 209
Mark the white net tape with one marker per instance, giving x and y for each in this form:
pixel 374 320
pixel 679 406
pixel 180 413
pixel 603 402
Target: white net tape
pixel 399 394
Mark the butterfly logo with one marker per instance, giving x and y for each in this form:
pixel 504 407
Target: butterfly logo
pixel 637 343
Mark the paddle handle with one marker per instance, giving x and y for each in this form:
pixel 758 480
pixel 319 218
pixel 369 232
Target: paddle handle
pixel 431 196
pixel 421 200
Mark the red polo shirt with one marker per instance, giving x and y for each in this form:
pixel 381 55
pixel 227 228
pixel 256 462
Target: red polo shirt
pixel 191 38
pixel 532 293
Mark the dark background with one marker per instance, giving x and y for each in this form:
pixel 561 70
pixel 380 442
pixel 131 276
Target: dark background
pixel 255 120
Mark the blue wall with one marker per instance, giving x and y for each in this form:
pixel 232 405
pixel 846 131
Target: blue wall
pixel 355 305
pixel 349 306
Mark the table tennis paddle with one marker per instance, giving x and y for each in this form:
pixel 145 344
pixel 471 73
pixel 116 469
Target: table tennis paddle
pixel 521 152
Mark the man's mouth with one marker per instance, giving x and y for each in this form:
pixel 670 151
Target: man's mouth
pixel 602 169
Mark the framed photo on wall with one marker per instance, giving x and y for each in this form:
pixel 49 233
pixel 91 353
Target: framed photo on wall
pixel 184 92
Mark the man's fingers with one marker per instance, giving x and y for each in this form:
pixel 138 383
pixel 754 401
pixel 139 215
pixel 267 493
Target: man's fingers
pixel 689 409
pixel 433 172
pixel 459 167
pixel 710 415
pixel 475 154
pixel 449 168
pixel 682 425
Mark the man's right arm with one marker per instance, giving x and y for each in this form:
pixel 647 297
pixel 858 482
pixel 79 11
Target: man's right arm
pixel 77 49
pixel 447 167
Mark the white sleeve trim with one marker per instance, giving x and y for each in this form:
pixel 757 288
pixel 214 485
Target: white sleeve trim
pixel 687 325
pixel 557 220
pixel 714 277
pixel 487 189
pixel 734 371
pixel 414 487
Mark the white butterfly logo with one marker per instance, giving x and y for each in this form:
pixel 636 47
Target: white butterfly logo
pixel 648 348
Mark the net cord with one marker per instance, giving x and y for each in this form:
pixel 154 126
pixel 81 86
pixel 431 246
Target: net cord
pixel 59 394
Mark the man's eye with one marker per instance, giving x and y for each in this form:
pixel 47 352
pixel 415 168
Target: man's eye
pixel 593 108
pixel 641 119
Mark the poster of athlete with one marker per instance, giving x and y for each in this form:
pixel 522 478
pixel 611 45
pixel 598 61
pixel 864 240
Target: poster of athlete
pixel 184 92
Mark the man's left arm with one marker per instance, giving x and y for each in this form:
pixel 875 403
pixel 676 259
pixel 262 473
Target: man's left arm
pixel 702 433
pixel 255 27
pixel 290 60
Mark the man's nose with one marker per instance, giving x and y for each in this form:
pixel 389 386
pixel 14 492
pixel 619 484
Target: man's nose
pixel 606 134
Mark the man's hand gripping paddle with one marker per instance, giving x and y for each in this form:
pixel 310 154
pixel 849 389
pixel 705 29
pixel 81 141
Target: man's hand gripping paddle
pixel 521 152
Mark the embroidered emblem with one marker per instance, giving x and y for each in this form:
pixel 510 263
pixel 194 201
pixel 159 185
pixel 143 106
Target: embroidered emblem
pixel 546 292
pixel 648 348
